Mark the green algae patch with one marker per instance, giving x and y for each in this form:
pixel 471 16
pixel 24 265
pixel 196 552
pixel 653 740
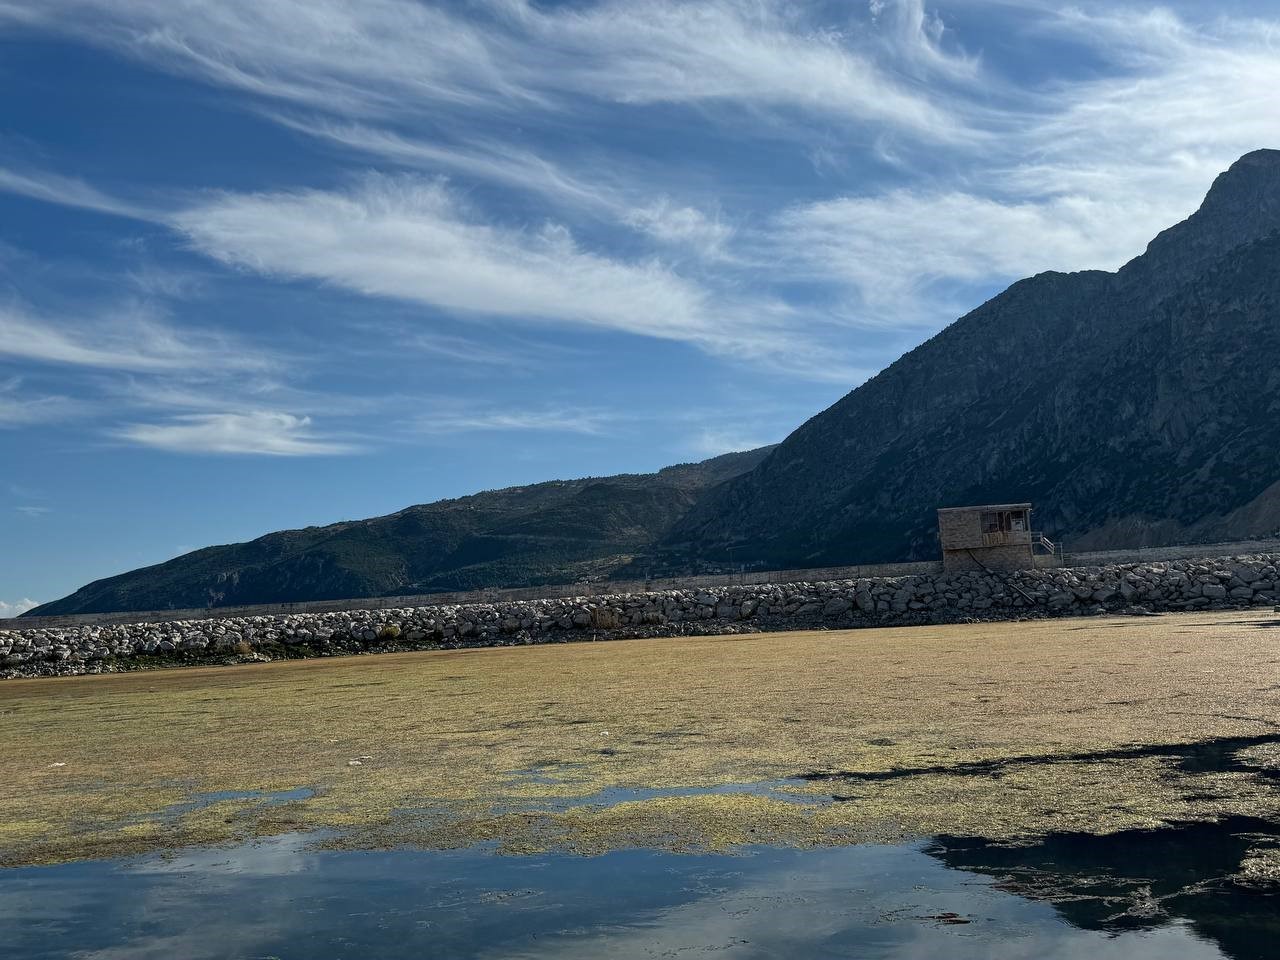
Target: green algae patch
pixel 1001 730
pixel 1020 803
pixel 1264 756
pixel 1259 870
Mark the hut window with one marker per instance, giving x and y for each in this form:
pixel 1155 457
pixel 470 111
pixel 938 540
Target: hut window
pixel 1003 521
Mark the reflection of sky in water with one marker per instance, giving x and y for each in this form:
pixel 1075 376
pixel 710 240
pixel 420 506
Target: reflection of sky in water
pixel 277 899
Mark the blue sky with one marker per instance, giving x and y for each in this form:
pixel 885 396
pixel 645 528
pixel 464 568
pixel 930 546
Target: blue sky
pixel 271 263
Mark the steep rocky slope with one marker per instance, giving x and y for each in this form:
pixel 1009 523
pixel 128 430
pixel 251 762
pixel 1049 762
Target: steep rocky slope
pixel 1129 406
pixel 545 533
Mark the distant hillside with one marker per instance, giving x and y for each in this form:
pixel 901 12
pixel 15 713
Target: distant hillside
pixel 1137 406
pixel 1141 406
pixel 552 532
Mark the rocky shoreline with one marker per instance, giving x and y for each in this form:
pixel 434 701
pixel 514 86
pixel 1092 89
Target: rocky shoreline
pixel 1135 588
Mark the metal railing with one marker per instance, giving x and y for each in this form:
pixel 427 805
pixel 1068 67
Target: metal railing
pixel 1040 542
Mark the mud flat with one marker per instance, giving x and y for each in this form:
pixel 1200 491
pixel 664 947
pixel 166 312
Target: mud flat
pixel 1005 731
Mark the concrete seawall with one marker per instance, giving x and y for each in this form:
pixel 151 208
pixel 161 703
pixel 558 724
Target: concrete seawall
pixel 1208 583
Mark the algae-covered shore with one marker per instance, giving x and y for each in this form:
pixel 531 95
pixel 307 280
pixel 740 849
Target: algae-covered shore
pixel 999 730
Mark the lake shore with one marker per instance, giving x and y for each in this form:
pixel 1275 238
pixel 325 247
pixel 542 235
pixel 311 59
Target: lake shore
pixel 999 730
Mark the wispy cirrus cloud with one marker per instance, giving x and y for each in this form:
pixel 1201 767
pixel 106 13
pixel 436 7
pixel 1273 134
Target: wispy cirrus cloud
pixel 763 54
pixel 66 191
pixel 484 159
pixel 553 420
pixel 1065 174
pixel 268 433
pixel 411 239
pixel 515 356
pixel 1062 172
pixel 1078 174
pixel 396 57
pixel 679 225
pixel 621 201
pixel 210 386
pixel 368 58
pixel 890 248
pixel 128 337
pixel 20 407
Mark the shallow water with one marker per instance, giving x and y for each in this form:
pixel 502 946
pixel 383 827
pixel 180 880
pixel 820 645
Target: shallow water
pixel 1161 894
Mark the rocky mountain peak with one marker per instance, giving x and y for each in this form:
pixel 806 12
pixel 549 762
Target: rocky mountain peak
pixel 1242 205
pixel 1142 407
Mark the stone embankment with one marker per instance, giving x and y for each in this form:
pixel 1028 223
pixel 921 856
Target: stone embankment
pixel 1137 588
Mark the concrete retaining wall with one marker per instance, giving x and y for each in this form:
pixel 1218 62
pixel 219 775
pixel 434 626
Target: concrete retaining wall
pixel 864 601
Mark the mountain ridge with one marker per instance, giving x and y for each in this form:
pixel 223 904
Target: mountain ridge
pixel 1036 344
pixel 526 535
pixel 1140 406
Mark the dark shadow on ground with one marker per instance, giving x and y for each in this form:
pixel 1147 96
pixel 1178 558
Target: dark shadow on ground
pixel 1142 880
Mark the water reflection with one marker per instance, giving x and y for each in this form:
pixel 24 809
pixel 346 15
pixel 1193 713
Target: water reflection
pixel 1160 895
pixel 1141 880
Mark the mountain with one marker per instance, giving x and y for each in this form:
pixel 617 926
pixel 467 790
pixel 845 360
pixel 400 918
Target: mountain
pixel 1130 407
pixel 1134 407
pixel 553 532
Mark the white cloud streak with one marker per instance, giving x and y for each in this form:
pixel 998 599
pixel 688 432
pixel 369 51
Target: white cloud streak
pixel 762 53
pixel 1083 174
pixel 261 432
pixel 129 338
pixel 562 420
pixel 413 240
pixel 19 408
pixel 892 246
pixel 67 192
pixel 1074 174
pixel 462 350
pixel 682 226
pixel 491 161
pixel 133 361
pixel 1057 174
pixel 397 57
pixel 365 58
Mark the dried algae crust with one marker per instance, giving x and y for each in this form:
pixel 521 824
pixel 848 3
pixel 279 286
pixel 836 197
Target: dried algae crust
pixel 1002 730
